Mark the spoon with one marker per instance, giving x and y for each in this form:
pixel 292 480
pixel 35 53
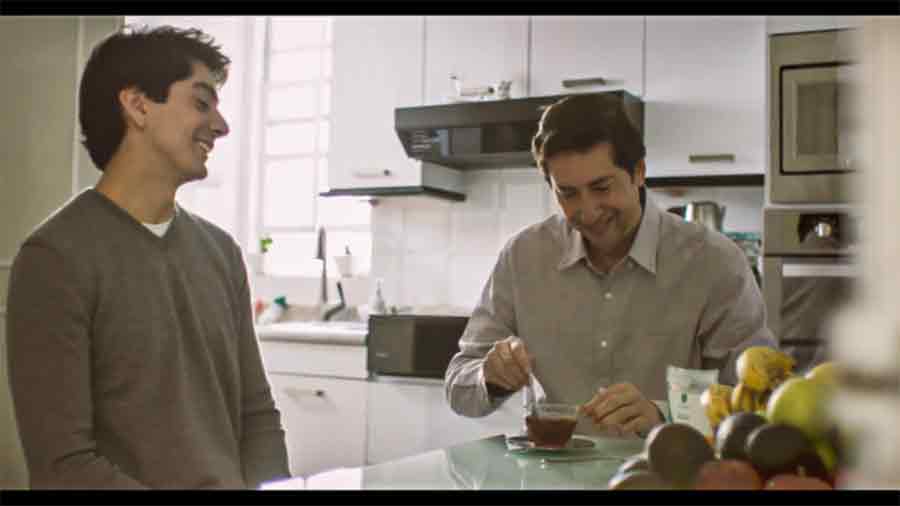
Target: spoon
pixel 534 393
pixel 537 391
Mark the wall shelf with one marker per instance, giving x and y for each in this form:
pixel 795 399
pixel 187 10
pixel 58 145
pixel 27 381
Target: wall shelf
pixel 695 181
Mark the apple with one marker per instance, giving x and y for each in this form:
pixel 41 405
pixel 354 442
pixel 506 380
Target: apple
pixel 826 373
pixel 802 403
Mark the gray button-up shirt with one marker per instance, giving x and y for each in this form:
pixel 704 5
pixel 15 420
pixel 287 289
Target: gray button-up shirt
pixel 683 296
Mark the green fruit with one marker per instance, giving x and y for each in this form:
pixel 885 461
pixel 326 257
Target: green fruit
pixel 825 373
pixel 828 455
pixel 676 451
pixel 802 403
pixel 731 438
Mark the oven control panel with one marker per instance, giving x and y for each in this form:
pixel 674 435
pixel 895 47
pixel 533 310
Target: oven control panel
pixel 809 232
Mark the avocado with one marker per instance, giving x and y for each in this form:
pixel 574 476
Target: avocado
pixel 776 448
pixel 676 451
pixel 731 436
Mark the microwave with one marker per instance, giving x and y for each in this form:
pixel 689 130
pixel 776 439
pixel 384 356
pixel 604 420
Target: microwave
pixel 814 116
pixel 413 345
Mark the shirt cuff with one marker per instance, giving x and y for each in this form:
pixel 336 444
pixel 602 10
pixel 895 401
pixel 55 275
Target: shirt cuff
pixel 495 395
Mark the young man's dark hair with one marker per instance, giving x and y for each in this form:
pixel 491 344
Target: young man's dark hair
pixel 580 122
pixel 149 59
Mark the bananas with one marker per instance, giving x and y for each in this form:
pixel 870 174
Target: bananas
pixel 762 369
pixel 743 398
pixel 716 401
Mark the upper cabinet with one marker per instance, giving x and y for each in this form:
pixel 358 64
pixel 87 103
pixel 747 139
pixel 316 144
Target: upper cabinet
pixel 377 67
pixel 791 24
pixel 479 50
pixel 704 112
pixel 584 49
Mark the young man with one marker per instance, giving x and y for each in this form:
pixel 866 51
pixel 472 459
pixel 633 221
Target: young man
pixel 600 300
pixel 132 355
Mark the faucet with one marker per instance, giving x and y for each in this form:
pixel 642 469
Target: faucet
pixel 336 309
pixel 323 288
pixel 320 255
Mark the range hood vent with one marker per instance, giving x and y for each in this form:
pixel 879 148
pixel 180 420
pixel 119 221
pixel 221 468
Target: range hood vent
pixel 484 134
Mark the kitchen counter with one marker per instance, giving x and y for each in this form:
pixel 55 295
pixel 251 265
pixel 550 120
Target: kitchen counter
pixel 484 464
pixel 341 333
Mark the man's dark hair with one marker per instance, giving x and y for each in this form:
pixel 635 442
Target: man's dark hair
pixel 149 59
pixel 580 122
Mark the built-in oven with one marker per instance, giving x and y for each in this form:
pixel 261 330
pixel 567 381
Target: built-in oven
pixel 809 270
pixel 813 115
pixel 810 221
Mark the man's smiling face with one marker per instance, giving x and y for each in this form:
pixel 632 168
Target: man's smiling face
pixel 598 198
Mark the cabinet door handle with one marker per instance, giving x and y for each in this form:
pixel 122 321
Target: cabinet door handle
pixel 300 392
pixel 588 81
pixel 372 173
pixel 715 157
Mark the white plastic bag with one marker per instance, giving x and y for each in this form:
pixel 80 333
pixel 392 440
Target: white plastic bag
pixel 685 388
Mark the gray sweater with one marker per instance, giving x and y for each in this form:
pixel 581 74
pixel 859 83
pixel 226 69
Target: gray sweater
pixel 132 358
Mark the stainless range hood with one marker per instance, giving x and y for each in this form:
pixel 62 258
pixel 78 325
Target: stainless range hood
pixel 447 139
pixel 484 134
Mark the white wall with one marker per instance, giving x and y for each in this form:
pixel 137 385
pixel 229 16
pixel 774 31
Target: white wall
pixel 437 252
pixel 43 164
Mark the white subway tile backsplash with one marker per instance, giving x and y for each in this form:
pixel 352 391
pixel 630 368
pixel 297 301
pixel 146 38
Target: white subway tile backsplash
pixel 436 252
pixel 524 192
pixel 483 226
pixel 426 230
pixel 482 189
pixel 468 274
pixel 425 279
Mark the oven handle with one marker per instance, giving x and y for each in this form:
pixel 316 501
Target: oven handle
pixel 800 269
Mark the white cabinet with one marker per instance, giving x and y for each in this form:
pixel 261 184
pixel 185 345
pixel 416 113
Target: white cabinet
pixel 480 50
pixel 791 24
pixel 705 96
pixel 320 390
pixel 377 67
pixel 586 47
pixel 409 417
pixel 324 421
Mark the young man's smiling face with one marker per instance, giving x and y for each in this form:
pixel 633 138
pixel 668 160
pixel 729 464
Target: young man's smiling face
pixel 598 198
pixel 182 130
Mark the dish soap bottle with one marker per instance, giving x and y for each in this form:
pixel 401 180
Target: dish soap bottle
pixel 376 302
pixel 274 312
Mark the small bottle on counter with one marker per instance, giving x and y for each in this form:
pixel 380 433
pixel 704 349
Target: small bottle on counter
pixel 274 312
pixel 376 302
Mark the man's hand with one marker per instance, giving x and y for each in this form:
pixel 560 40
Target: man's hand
pixel 507 365
pixel 622 409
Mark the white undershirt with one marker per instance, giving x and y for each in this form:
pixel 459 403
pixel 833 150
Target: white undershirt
pixel 159 228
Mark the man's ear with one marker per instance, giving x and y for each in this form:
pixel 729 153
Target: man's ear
pixel 134 106
pixel 640 172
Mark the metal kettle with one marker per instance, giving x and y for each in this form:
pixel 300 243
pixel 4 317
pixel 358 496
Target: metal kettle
pixel 706 212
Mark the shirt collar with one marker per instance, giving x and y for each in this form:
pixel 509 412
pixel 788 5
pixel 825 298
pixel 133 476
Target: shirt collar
pixel 643 249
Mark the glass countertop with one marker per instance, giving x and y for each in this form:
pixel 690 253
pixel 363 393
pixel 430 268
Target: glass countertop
pixel 485 464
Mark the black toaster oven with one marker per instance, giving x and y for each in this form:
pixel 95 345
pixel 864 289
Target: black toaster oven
pixel 413 345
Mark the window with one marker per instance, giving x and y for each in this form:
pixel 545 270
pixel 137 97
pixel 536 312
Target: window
pixel 293 165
